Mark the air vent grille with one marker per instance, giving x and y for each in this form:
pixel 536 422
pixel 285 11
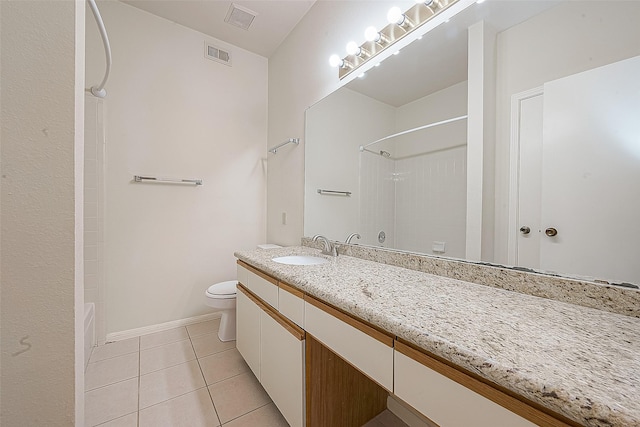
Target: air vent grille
pixel 214 53
pixel 240 16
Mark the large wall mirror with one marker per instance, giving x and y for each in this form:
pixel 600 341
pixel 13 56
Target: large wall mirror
pixel 386 155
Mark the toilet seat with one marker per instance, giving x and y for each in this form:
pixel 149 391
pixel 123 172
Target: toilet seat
pixel 223 290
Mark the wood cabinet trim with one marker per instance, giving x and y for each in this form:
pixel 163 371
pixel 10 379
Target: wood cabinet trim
pixel 290 289
pixel 373 332
pixel 291 327
pixel 507 399
pixel 260 273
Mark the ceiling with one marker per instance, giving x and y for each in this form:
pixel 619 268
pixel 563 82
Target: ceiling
pixel 439 60
pixel 274 21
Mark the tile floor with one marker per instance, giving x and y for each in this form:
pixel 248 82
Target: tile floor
pixel 180 377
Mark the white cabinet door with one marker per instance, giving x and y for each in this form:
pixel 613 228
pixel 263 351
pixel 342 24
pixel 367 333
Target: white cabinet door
pixel 248 331
pixel 282 369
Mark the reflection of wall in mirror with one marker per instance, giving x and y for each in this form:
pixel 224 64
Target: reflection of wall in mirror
pixel 335 129
pixel 417 196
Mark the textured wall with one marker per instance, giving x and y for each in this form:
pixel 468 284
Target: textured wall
pixel 40 382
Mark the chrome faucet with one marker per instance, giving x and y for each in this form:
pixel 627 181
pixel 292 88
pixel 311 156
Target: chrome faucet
pixel 351 236
pixel 329 249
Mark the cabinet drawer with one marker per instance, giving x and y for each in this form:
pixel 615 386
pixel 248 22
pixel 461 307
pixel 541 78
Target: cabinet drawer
pixel 440 398
pixel 372 356
pixel 263 286
pixel 242 273
pixel 291 303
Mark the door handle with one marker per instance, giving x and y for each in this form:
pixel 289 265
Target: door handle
pixel 525 230
pixel 551 232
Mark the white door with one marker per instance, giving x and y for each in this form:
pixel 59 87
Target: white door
pixel 591 173
pixel 587 160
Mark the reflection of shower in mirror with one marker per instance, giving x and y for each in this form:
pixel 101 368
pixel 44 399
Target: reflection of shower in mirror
pixel 383 153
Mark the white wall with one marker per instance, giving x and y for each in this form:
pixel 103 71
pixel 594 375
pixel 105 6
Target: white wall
pixel 299 76
pixel 42 53
pixel 565 40
pixel 336 128
pixel 172 113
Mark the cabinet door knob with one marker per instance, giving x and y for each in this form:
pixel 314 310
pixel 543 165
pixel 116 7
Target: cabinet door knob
pixel 550 231
pixel 525 230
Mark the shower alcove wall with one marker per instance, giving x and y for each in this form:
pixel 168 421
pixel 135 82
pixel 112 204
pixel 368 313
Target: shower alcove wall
pixel 94 169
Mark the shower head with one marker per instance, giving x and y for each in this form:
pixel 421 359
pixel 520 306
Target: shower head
pixel 385 154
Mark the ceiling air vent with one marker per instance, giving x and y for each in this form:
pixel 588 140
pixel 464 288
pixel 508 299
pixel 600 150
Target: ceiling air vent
pixel 240 16
pixel 216 54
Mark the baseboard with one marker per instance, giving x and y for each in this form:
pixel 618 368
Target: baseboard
pixel 132 333
pixel 407 414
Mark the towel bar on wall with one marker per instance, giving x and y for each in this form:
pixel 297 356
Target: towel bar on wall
pixel 335 193
pixel 138 178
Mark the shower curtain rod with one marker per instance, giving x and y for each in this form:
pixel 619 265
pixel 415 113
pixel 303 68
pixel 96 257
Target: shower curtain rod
pixel 98 91
pixel 430 125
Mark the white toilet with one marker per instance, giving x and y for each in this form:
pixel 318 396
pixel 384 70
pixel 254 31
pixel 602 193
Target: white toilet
pixel 222 297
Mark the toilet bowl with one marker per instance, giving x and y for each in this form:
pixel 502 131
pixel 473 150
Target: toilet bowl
pixel 222 297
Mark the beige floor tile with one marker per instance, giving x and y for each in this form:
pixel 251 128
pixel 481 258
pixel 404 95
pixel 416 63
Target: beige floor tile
pixel 165 337
pixel 130 420
pixel 203 328
pixel 110 371
pixel 374 423
pixel 267 416
pixel 164 356
pixel 237 396
pixel 190 410
pixel 110 402
pixel 115 349
pixel 168 383
pixel 206 345
pixel 223 365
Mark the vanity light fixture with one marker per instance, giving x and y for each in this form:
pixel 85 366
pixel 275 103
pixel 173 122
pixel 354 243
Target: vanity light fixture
pixel 400 25
pixel 371 34
pixel 395 16
pixel 353 48
pixel 336 61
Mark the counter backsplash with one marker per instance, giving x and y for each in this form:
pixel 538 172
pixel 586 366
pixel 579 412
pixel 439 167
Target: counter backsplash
pixel 611 298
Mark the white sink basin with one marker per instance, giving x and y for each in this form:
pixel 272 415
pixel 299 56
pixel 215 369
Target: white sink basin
pixel 300 260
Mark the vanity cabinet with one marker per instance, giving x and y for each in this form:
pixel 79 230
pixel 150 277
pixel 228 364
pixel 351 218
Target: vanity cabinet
pixel 272 346
pixel 321 366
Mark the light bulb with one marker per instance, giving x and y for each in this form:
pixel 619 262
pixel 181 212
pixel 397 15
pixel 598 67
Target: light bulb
pixel 395 16
pixel 480 1
pixel 371 34
pixel 335 61
pixel 353 48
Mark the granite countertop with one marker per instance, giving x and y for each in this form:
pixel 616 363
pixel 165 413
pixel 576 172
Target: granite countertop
pixel 580 362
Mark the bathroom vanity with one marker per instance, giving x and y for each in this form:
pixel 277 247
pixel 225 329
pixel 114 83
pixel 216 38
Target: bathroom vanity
pixel 330 342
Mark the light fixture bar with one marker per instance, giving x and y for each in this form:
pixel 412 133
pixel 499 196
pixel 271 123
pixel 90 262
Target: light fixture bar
pixel 417 15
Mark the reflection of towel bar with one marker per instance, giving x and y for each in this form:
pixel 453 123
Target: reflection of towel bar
pixel 138 178
pixel 335 193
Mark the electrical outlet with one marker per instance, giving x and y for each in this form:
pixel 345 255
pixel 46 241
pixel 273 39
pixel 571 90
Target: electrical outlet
pixel 284 218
